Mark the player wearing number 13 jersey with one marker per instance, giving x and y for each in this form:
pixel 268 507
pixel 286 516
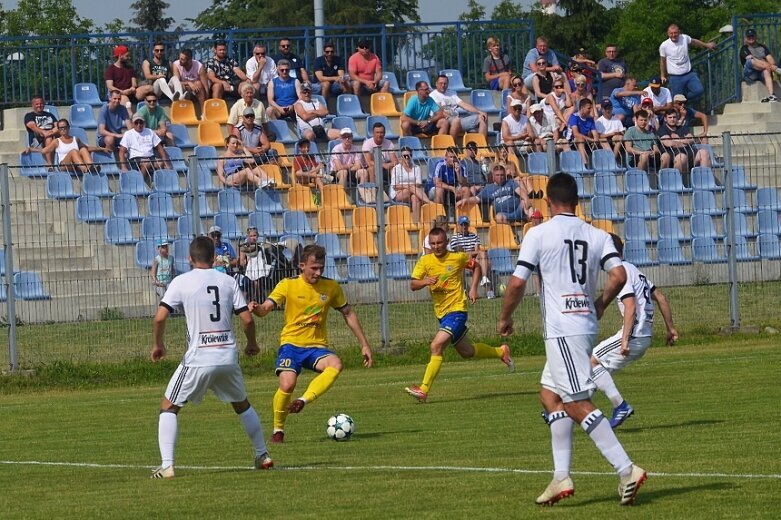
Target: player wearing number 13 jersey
pixel 569 253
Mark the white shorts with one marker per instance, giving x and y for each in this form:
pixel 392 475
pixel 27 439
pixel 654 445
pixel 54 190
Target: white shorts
pixel 189 384
pixel 567 371
pixel 608 353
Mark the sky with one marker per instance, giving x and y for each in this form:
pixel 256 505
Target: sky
pixel 101 11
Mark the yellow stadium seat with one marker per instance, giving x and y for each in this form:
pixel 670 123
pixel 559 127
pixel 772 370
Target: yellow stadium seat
pixel 215 109
pixel 537 184
pixel 284 159
pixel 382 104
pixel 397 241
pixel 363 242
pixel 272 171
pixel 542 206
pixel 183 113
pixel 474 213
pixel 210 133
pixel 430 211
pixel 300 198
pixel 604 225
pixel 400 217
pixel 580 214
pixel 501 236
pixel 365 217
pixel 440 143
pixel 407 96
pixel 334 196
pixel 331 220
pixel 483 151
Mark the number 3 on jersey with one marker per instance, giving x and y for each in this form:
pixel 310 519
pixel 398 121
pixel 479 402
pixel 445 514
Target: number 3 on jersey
pixel 216 290
pixel 578 260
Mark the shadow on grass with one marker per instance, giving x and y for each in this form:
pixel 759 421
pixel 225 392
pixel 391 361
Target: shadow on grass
pixel 647 496
pixel 701 422
pixel 481 397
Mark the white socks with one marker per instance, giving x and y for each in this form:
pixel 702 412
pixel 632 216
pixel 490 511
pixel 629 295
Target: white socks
pixel 606 441
pixel 251 423
pixel 167 432
pixel 605 383
pixel 561 427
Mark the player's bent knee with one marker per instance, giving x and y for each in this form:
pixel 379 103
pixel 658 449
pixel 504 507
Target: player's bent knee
pixel 241 406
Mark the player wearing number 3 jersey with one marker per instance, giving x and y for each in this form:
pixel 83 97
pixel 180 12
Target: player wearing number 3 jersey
pixel 209 299
pixel 569 253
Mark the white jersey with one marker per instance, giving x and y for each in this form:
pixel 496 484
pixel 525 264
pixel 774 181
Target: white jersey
pixel 640 287
pixel 568 253
pixel 209 299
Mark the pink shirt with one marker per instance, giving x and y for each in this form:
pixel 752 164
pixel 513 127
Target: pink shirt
pixel 365 69
pixel 191 74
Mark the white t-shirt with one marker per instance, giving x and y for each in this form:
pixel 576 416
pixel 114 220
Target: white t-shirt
pixel 515 127
pixel 387 148
pixel 268 73
pixel 449 101
pixel 609 126
pixel 347 158
pixel 546 127
pixel 662 99
pixel 309 106
pixel 399 177
pixel 676 54
pixel 140 144
pixel 209 299
pixel 568 253
pixel 641 287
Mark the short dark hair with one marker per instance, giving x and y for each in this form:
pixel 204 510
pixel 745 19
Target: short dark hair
pixel 378 124
pixel 443 76
pixel 419 83
pixel 366 44
pixel 438 231
pixel 562 189
pixel 37 96
pixel 187 52
pixel 618 243
pixel 63 120
pixel 670 111
pixel 301 142
pixel 313 251
pixel 220 43
pixel 202 250
pixel 642 113
pixel 329 44
pixel 585 101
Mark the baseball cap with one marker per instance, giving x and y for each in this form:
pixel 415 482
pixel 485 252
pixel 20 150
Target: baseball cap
pixel 463 219
pixel 215 229
pixel 163 242
pixel 535 108
pixel 582 51
pixel 537 214
pixel 679 97
pixel 516 103
pixel 248 112
pixel 655 82
pixel 751 33
pixel 647 101
pixel 137 117
pixel 606 103
pixel 119 50
pixel 345 131
pixel 306 86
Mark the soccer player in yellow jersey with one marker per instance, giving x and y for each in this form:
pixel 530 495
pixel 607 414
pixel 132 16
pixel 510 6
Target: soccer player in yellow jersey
pixel 442 271
pixel 304 337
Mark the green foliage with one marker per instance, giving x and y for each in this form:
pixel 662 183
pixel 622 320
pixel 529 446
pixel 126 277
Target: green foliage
pixel 110 313
pixel 150 16
pixel 44 18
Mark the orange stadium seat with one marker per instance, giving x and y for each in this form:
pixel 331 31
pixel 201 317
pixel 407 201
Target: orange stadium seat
pixel 382 104
pixel 210 134
pixel 365 217
pixel 215 109
pixel 334 196
pixel 400 216
pixel 604 225
pixel 284 158
pixel 483 151
pixel 331 220
pixel 430 211
pixel 501 236
pixel 273 172
pixel 440 143
pixel 183 113
pixel 300 198
pixel 474 213
pixel 397 241
pixel 363 242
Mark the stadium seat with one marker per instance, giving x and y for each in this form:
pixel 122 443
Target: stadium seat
pixel 407 96
pixel 181 136
pixel 87 93
pixel 606 183
pixel 741 202
pixel 705 250
pixel 705 202
pixel 177 160
pixel 207 157
pixel 118 231
pixel 299 198
pixel 670 252
pixel 390 77
pixel 154 228
pixel 742 226
pixel 161 205
pixel 229 201
pixel 340 122
pixel 106 163
pixel 703 179
pixel 636 252
pixel 397 267
pixel 670 179
pixel 365 218
pixel 95 184
pixel 268 200
pixel 264 222
pixel 702 226
pixel 81 115
pixel 210 134
pixel 739 179
pixel 132 182
pixel 743 250
pixel 204 180
pixel 430 211
pixel 296 222
pixel 483 100
pixel 145 252
pixel 330 270
pixel 637 205
pixel 89 208
pixel 604 225
pixel 669 204
pixel 59 185
pixel 28 286
pixel 332 245
pixel 32 165
pixel 604 161
pixel 397 241
pixel 767 198
pixel 400 216
pixel 483 150
pixel 124 205
pixel 572 162
pixel 350 106
pixel 637 229
pixel 537 163
pixel 180 249
pixel 382 104
pixel 413 142
pixel 184 227
pixel 440 144
pixel 582 193
pixel 413 76
pixel 334 196
pixel 283 158
pixel 501 236
pixel 636 181
pixel 769 247
pixel 360 269
pixel 502 261
pixel 363 242
pixel 768 222
pixel 389 134
pixel 167 181
pixel 204 208
pixel 503 104
pixel 282 131
pixel 77 131
pixel 183 113
pixel 602 208
pixel 330 220
pixel 54 111
pixel 274 172
pixel 670 228
pixel 215 109
pixel 229 223
pixel 455 80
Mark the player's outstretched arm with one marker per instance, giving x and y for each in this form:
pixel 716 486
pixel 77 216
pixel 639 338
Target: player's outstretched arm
pixel 512 297
pixel 355 325
pixel 248 325
pixel 158 332
pixel 667 315
pixel 262 309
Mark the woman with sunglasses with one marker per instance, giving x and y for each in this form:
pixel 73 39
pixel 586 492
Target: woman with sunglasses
pixel 235 168
pixel 542 80
pixel 72 155
pixel 519 91
pixel 559 103
pixel 582 92
pixel 406 184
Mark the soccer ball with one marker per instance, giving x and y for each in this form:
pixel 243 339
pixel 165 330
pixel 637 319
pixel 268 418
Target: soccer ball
pixel 340 427
pixel 500 289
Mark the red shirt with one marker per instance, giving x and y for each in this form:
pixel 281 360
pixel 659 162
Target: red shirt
pixel 121 76
pixel 365 69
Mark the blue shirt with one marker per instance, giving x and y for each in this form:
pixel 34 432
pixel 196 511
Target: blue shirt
pixel 531 57
pixel 224 249
pixel 626 102
pixel 114 121
pixel 285 91
pixel 584 125
pixel 445 173
pixel 503 197
pixel 421 111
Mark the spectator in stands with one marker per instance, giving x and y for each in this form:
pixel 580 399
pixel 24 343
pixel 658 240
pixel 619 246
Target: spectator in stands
pixel 121 76
pixel 559 103
pixel 688 115
pixel 647 104
pixel 542 80
pixel 113 121
pixel 253 138
pixel 581 65
pixel 252 261
pixel 583 130
pixel 225 259
pixel 641 143
pixel 582 92
pixel 515 131
pixel 330 73
pixel 366 71
pixel 445 184
pixel 675 66
pixel 463 240
pixel 422 115
pixel 406 184
pixel 347 162
pixel 581 58
pixel 450 102
pixel 260 69
pixel 307 169
pixel 236 169
pixel 283 92
pixel 678 146
pixel 247 100
pixel 533 58
pixel 389 158
pixel 41 127
pixel 759 64
pixel 497 67
pixel 509 160
pixel 519 91
pixel 612 70
pixel 610 129
pixel 163 269
pixel 310 117
pixel 156 118
pixel 473 171
pixel 626 100
pixel 72 155
pixel 137 149
pixel 296 65
pixel 224 72
pixel 192 76
pixel 507 197
pixel 543 126
pixel 661 96
pixel 159 74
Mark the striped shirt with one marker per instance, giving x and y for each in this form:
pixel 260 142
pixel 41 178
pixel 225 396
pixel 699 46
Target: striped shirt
pixel 464 242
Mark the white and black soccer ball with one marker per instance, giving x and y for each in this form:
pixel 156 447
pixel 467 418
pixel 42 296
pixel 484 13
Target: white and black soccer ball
pixel 340 427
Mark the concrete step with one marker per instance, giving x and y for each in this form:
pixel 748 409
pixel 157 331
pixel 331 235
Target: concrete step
pixel 756 90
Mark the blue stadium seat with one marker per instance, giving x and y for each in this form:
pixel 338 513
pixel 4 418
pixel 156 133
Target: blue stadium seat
pixel 606 183
pixel 268 200
pixel 397 267
pixel 741 202
pixel 282 131
pixel 264 222
pixel 59 185
pixel 87 93
pixel 3 293
pixel 743 250
pixel 81 115
pixel 703 179
pixel 483 100
pixel 95 184
pixel 705 202
pixel 413 76
pixel 739 179
pixel 455 80
pixel 229 224
pixel 180 249
pixel 705 250
pixel 636 229
pixel 767 198
pixel 161 205
pixel 605 161
pixel 572 162
pixel 204 208
pixel 702 226
pixel 229 201
pixel 167 181
pixel 207 157
pixel 118 231
pixel 331 243
pixel 154 228
pixel 537 163
pixel 636 252
pixel 670 228
pixel 638 205
pixel 340 122
pixel 330 270
pixel 184 227
pixel 79 132
pixel 582 193
pixel 669 204
pixel 350 106
pixel 323 103
pixel 89 208
pixel 32 165
pixel 636 181
pixel 602 208
pixel 670 179
pixel 204 180
pixel 742 226
pixel 106 162
pixel 145 253
pixel 769 247
pixel 390 77
pixel 132 182
pixel 768 220
pixel 181 136
pixel 670 252
pixel 502 260
pixel 385 122
pixel 176 157
pixel 28 286
pixel 295 222
pixel 53 111
pixel 360 269
pixel 418 152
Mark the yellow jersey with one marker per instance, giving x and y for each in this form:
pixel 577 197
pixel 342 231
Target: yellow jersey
pixel 448 293
pixel 306 309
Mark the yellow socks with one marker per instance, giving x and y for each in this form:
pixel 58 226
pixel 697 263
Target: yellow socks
pixel 281 400
pixel 321 384
pixel 432 371
pixel 487 351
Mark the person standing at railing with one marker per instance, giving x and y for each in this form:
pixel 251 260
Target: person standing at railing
pixel 121 76
pixel 758 64
pixel 676 67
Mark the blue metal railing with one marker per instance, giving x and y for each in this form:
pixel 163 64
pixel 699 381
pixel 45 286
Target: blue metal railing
pixel 51 65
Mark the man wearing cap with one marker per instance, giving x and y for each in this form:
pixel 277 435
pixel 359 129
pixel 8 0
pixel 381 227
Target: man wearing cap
pixel 247 100
pixel 515 129
pixel 121 76
pixel 366 71
pixel 541 127
pixel 758 64
pixel 687 116
pixel 260 69
pixel 661 97
pixel 138 146
pixel 675 66
pixel 464 241
pixel 610 129
pixel 329 73
pixel 422 115
pixel 163 270
pixel 449 100
pixel 223 72
pixel 612 70
pixel 641 143
pixel 310 117
pixel 283 92
pixel 626 100
pixel 225 258
pixel 347 161
pixel 254 138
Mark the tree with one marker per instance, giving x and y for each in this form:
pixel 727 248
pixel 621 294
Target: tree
pixel 44 18
pixel 150 16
